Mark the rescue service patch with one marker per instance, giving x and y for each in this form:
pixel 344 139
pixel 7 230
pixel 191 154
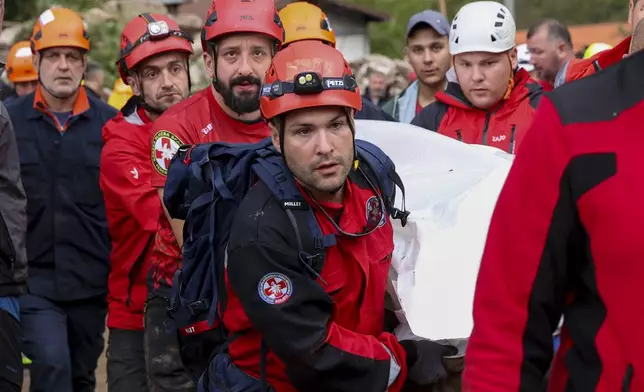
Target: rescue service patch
pixel 375 212
pixel 165 145
pixel 275 288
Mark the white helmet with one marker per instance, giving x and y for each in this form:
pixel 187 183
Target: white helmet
pixel 523 57
pixel 482 26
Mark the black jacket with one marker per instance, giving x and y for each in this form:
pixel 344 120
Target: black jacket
pixel 68 243
pixel 371 111
pixel 13 216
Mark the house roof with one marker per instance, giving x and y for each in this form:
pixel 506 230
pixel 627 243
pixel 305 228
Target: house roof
pixel 611 33
pixel 200 8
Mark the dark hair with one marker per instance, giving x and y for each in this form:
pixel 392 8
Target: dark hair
pixel 556 30
pixel 92 68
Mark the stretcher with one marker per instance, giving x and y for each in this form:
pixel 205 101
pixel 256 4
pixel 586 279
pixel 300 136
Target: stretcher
pixel 451 190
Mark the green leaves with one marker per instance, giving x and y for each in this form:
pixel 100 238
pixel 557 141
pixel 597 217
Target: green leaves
pixel 389 38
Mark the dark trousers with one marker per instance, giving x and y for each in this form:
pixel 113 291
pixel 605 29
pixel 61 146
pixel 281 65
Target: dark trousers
pixel 126 361
pixel 162 355
pixel 10 358
pixel 64 340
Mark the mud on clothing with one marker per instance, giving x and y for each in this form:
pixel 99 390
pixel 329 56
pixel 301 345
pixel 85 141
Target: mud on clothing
pixel 503 126
pixel 198 119
pixel 164 369
pixel 133 208
pixel 325 334
pixel 566 239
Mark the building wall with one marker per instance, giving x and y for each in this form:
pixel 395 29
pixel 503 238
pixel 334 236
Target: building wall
pixel 351 34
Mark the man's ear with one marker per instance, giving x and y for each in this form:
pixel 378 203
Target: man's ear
pixel 275 136
pixel 513 58
pixel 132 81
pixel 209 62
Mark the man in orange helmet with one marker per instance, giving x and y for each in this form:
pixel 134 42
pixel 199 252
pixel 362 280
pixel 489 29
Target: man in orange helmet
pixel 307 22
pixel 238 39
pixel 20 70
pixel 318 328
pixel 58 130
pixel 153 60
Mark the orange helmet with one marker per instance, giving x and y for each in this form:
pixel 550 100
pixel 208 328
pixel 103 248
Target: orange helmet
pixel 19 65
pixel 148 35
pixel 308 74
pixel 242 16
pixel 59 27
pixel 303 21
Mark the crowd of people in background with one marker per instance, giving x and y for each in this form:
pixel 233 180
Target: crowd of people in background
pixel 82 190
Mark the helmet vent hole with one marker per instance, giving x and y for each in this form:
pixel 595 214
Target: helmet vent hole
pixel 493 38
pixel 498 24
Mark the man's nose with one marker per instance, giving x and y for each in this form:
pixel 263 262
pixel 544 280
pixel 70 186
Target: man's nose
pixel 428 58
pixel 245 67
pixel 324 145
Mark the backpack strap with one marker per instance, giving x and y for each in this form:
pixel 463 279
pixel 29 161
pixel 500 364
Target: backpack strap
pixel 312 243
pixel 382 172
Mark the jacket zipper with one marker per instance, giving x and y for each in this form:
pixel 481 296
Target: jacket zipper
pixel 488 115
pixel 514 130
pixel 628 377
pixel 459 135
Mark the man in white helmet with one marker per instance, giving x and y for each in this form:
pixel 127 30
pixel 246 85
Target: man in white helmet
pixel 493 100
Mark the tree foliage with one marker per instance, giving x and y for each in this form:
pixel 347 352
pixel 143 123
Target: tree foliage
pixel 104 37
pixel 388 38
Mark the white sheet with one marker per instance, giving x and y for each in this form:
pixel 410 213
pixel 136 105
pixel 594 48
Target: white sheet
pixel 451 190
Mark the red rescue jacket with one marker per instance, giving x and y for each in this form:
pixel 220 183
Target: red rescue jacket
pixel 566 239
pixel 132 207
pixel 325 334
pixel 503 126
pixel 578 69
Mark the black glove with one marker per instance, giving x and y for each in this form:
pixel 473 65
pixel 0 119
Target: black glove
pixel 425 360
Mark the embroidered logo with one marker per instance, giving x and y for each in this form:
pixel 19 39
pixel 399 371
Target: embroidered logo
pixel 165 145
pixel 275 288
pixel 375 215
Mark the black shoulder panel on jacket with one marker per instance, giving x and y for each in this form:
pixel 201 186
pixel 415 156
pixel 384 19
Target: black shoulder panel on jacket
pixel 259 218
pixel 535 91
pixel 431 116
pixel 601 96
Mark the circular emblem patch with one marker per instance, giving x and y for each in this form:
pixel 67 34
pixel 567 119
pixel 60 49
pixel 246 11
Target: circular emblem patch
pixel 165 145
pixel 375 213
pixel 275 288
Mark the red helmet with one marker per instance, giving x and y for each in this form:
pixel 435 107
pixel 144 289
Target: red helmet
pixel 242 16
pixel 148 35
pixel 308 74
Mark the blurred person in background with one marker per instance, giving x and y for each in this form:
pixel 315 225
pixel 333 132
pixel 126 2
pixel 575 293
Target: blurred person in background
pixel 153 60
pixel 20 70
pixel 523 58
pixel 94 80
pixel 494 100
pixel 427 50
pixel 304 21
pixel 377 90
pixel 577 69
pixel 550 46
pixel 595 48
pixel 58 131
pixel 13 258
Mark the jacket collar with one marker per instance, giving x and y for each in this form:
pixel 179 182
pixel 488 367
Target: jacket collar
pixel 454 96
pixel 81 105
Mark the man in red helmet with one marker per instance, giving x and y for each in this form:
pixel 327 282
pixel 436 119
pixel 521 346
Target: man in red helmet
pixel 318 328
pixel 153 60
pixel 238 40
